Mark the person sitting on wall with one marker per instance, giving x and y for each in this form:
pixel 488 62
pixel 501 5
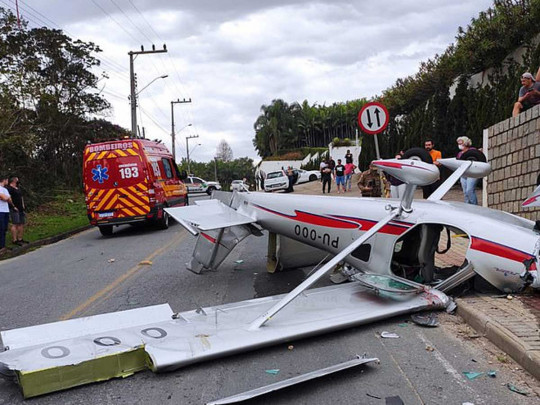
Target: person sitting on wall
pixel 529 93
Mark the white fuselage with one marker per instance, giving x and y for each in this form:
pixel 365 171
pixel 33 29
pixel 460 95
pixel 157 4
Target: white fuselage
pixel 498 242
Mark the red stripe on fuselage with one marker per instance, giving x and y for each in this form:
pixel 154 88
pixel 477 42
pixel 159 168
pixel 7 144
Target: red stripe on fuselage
pixel 366 225
pixel 314 219
pixel 530 200
pixel 208 237
pixel 334 221
pixel 492 248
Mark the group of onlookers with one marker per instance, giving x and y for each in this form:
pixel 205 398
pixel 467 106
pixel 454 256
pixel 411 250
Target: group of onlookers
pixel 468 184
pixel 11 205
pixel 373 183
pixel 341 173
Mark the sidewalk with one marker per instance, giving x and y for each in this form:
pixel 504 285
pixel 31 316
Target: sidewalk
pixel 512 322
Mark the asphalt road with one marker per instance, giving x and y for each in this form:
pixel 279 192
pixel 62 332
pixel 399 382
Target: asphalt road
pixel 88 274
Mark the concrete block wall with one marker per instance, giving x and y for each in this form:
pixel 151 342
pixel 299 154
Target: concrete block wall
pixel 514 152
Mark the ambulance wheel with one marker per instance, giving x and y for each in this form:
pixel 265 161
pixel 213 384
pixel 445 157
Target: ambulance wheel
pixel 106 230
pixel 209 190
pixel 418 154
pixel 163 222
pixel 473 154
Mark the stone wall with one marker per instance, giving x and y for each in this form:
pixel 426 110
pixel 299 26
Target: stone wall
pixel 513 148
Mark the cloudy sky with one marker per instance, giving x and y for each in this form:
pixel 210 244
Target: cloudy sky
pixel 231 57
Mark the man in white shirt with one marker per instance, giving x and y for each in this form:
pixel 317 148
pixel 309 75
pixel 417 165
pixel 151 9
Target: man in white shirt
pixel 5 199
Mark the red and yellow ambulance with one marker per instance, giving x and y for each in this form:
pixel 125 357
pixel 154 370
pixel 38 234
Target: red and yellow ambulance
pixel 130 180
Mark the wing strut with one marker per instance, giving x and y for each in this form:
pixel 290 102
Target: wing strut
pixel 450 181
pixel 261 320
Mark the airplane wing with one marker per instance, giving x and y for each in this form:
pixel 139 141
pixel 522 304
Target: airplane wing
pixel 209 214
pixel 218 227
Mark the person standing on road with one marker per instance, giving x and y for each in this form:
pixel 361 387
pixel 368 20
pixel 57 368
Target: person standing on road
pixel 371 184
pixel 326 176
pixel 349 170
pixel 332 165
pixel 290 176
pixel 468 184
pixel 16 211
pixel 435 155
pixel 340 176
pixel 348 157
pixel 5 199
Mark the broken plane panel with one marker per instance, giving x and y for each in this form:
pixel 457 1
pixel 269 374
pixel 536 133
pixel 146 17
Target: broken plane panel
pixel 165 344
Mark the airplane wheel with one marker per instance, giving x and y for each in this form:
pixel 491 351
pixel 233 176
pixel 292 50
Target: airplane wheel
pixel 473 154
pixel 418 154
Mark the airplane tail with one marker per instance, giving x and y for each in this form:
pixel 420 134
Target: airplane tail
pixel 218 227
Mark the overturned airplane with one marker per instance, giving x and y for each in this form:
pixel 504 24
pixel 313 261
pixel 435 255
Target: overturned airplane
pixel 387 246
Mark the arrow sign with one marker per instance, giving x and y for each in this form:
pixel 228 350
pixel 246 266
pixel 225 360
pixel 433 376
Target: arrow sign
pixel 373 118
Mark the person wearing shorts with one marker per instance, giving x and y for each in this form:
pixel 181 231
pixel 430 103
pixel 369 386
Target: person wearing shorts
pixel 340 176
pixel 16 211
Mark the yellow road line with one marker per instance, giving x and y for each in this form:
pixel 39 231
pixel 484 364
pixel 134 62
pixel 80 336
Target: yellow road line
pixel 106 292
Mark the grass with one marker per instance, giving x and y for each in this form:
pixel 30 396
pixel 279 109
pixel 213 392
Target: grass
pixel 64 213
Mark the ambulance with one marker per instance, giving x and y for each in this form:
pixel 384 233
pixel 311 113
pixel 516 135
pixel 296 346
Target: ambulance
pixel 130 181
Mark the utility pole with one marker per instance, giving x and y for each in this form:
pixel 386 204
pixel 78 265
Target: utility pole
pixel 133 84
pixel 187 150
pixel 173 135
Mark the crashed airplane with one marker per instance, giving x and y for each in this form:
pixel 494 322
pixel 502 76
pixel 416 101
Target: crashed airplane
pixel 387 248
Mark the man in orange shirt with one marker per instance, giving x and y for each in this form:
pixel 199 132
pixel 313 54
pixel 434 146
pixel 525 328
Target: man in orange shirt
pixel 435 155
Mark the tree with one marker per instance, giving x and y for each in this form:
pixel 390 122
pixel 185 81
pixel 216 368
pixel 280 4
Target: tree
pixel 48 93
pixel 224 151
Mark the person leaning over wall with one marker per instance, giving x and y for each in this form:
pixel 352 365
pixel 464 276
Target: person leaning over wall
pixel 529 93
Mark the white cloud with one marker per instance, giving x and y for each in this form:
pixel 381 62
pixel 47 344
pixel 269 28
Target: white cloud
pixel 232 56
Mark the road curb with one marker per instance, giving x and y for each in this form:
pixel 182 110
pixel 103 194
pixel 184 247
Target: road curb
pixel 499 335
pixel 42 242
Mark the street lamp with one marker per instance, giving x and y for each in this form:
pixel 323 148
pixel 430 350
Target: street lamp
pixel 187 150
pixel 133 99
pixel 157 78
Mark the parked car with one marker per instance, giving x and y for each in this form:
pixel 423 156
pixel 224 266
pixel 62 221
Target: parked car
pixel 198 185
pixel 239 185
pixel 129 181
pixel 307 175
pixel 276 181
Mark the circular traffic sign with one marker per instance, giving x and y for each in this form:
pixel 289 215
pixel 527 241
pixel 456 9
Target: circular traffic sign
pixel 373 118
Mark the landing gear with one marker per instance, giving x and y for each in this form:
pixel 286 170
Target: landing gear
pixel 418 154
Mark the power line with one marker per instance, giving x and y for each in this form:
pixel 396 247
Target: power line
pixel 181 91
pixel 151 119
pixel 47 21
pixel 130 20
pixel 114 20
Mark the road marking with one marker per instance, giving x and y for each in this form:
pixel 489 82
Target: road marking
pixel 106 292
pixel 449 368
